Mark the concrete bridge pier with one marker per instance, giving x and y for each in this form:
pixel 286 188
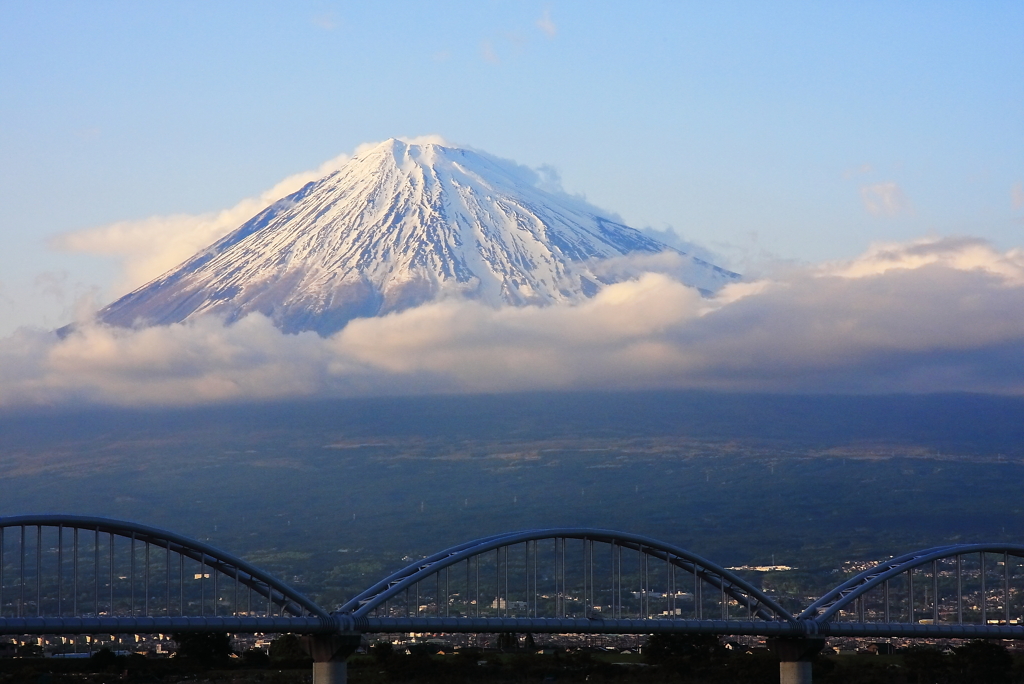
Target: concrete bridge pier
pixel 330 653
pixel 795 656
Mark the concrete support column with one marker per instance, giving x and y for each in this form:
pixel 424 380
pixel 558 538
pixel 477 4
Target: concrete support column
pixel 330 672
pixel 329 653
pixel 795 656
pixel 790 672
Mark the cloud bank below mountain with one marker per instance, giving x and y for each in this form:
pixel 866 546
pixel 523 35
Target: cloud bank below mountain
pixel 933 315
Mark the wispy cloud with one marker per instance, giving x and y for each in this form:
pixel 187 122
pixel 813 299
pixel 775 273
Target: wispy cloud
pixel 430 139
pixel 884 199
pixel 937 314
pixel 3 294
pixel 546 25
pixel 518 42
pixel 487 52
pixel 149 247
pixel 858 171
pixel 91 133
pixel 326 21
pixel 959 253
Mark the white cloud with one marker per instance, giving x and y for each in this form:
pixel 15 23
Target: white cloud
pixel 884 199
pixel 858 170
pixel 432 139
pixel 957 253
pixel 152 246
pixel 938 314
pixel 203 360
pixel 546 25
pixel 672 238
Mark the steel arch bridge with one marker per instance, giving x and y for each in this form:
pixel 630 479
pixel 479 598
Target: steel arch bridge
pixel 64 574
pixel 571 601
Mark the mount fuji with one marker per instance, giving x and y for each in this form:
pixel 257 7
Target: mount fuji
pixel 398 225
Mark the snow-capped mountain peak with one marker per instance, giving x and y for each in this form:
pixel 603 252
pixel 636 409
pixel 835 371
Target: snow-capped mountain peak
pixel 400 224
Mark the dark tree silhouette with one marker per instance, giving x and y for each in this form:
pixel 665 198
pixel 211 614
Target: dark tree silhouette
pixel 256 657
pixel 288 649
pixel 382 651
pixel 983 662
pixel 205 648
pixel 104 658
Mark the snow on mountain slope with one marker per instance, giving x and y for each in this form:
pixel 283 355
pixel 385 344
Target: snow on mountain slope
pixel 399 225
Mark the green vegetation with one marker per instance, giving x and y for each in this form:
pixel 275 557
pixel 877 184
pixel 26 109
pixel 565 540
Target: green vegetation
pixel 331 496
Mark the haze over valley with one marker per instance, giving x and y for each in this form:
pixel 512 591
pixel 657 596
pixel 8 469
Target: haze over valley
pixel 336 493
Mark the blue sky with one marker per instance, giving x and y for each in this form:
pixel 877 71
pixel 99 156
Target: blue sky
pixel 763 131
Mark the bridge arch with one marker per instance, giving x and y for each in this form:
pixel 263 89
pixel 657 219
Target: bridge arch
pixel 852 593
pixel 757 604
pixel 72 566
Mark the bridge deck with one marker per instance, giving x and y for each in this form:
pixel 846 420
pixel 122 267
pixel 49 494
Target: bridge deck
pixel 396 625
